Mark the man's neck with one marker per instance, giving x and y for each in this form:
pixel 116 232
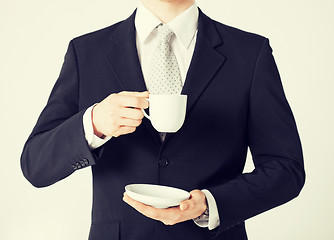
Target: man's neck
pixel 167 10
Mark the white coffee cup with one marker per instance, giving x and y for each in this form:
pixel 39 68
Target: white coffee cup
pixel 167 112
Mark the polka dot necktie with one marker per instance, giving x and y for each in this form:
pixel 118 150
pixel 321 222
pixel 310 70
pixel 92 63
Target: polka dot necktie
pixel 164 73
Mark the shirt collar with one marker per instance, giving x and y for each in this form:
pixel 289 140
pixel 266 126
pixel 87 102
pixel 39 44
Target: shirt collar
pixel 184 25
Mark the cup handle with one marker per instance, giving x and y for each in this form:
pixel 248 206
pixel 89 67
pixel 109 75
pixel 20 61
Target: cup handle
pixel 145 114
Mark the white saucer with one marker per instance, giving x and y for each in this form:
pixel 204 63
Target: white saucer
pixel 157 196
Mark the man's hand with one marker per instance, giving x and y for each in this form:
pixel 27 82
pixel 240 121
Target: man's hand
pixel 119 113
pixel 188 209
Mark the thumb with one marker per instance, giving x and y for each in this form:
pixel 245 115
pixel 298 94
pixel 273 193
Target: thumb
pixel 142 94
pixel 184 205
pixel 134 93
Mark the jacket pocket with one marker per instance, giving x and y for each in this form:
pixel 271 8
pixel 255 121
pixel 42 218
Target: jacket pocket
pixel 105 230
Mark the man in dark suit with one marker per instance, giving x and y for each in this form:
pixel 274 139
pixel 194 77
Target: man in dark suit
pixel 235 100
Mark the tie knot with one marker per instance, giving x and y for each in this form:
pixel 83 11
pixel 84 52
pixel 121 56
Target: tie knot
pixel 165 32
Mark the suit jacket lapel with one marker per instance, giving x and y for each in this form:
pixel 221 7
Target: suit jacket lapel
pixel 124 61
pixel 205 63
pixel 123 56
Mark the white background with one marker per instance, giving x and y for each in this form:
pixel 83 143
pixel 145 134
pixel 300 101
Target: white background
pixel 34 36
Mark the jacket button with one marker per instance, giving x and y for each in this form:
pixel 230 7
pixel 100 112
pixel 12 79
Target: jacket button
pixel 163 162
pixel 85 161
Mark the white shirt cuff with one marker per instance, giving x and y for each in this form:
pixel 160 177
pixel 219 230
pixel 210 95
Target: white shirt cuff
pixel 211 221
pixel 92 140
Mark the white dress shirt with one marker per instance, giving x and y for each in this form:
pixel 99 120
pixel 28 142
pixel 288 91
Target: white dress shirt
pixel 183 45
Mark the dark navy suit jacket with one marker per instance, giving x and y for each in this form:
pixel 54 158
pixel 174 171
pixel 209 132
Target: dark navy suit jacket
pixel 235 101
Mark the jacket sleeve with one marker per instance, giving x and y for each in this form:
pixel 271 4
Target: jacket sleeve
pixel 275 147
pixel 57 145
